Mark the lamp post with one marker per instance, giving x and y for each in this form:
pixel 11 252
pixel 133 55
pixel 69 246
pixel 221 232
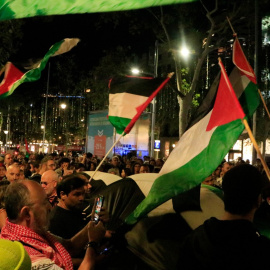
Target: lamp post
pixel 63 107
pixel 6 132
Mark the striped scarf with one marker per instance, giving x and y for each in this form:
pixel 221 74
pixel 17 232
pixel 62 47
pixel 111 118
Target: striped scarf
pixel 36 246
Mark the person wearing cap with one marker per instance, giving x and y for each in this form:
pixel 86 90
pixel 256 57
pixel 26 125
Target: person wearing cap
pixel 233 241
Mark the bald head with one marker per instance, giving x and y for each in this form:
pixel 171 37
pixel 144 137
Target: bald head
pixel 49 181
pixel 13 173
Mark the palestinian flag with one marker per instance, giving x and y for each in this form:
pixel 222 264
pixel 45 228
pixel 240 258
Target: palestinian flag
pixel 129 97
pixel 10 9
pixel 16 75
pixel 202 147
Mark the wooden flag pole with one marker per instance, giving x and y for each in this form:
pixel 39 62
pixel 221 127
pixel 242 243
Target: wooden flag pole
pixel 256 147
pixel 2 70
pixel 264 104
pixel 106 155
pixel 234 33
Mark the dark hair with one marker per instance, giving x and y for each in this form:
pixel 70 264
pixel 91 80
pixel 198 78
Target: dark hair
pixel 242 186
pixel 79 165
pixel 133 164
pixel 17 196
pixel 64 160
pixel 69 183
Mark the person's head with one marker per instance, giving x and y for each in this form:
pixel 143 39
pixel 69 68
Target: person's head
pixel 135 167
pixel 20 158
pixel 125 172
pixel 115 161
pixel 209 180
pixel 46 164
pixel 34 166
pixel 49 181
pixel 144 168
pixel 152 162
pixel 242 186
pixel 64 163
pixel 159 163
pixel 8 160
pixel 2 170
pixel 226 166
pixel 22 176
pixel 92 166
pixel 27 205
pixel 71 192
pixel 3 215
pixel 114 171
pixel 13 173
pixel 86 178
pixel 79 167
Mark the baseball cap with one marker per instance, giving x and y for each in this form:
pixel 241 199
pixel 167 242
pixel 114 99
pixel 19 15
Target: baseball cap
pixel 13 256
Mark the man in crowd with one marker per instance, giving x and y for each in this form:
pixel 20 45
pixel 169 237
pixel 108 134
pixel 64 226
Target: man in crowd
pixel 8 160
pixel 226 166
pixel 64 165
pixel 13 173
pixel 28 209
pixel 46 164
pixel 232 242
pixel 49 181
pixel 66 218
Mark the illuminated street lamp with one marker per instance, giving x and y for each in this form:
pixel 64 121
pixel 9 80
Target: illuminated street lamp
pixel 6 132
pixel 185 52
pixel 63 105
pixel 135 71
pixel 42 127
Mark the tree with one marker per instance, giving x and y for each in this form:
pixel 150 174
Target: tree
pixel 218 36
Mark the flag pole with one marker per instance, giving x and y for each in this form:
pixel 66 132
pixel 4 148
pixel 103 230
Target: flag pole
pixel 234 33
pixel 256 147
pixel 2 70
pixel 264 104
pixel 100 163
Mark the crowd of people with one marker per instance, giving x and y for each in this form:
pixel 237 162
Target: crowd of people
pixel 47 204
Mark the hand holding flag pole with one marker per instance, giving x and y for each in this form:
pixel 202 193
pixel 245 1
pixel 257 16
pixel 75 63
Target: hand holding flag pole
pixel 244 121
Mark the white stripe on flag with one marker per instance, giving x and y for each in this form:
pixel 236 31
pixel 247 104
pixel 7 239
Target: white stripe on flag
pixel 191 144
pixel 124 104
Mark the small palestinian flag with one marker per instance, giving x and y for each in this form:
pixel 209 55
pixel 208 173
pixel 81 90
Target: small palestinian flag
pixel 15 75
pixel 129 96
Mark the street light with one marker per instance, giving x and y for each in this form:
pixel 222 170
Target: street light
pixel 63 105
pixel 185 52
pixel 135 71
pixel 6 132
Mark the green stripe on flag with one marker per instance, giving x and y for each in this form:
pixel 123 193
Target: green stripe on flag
pixel 250 94
pixel 13 9
pixel 192 173
pixel 120 123
pixel 34 74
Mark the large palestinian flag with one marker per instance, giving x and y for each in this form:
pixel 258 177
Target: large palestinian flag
pixel 13 9
pixel 202 147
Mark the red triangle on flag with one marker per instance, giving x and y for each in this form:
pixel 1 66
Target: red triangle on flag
pixel 240 60
pixel 12 74
pixel 227 107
